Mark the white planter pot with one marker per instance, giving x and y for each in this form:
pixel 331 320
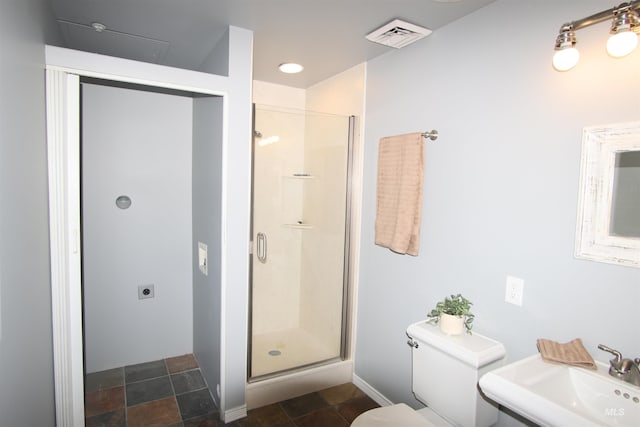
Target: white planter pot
pixel 451 325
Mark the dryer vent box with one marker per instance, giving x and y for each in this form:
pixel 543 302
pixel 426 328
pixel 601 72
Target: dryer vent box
pixel 398 34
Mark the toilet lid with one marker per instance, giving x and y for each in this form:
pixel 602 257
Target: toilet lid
pixel 391 416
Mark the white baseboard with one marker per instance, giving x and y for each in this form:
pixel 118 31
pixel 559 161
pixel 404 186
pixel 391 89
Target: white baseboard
pixel 234 414
pixel 378 397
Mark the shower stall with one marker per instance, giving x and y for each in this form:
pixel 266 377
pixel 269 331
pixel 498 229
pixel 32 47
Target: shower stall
pixel 300 229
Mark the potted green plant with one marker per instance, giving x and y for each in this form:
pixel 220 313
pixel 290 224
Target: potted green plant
pixel 453 314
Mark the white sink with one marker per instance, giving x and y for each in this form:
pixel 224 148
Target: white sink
pixel 559 395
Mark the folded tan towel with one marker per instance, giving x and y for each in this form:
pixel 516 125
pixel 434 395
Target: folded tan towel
pixel 399 193
pixel 571 353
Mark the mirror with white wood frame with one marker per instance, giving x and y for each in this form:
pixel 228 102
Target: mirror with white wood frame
pixel 608 226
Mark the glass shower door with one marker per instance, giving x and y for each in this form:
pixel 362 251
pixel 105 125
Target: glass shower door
pixel 300 181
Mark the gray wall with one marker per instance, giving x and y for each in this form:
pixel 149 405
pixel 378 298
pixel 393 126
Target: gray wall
pixel 26 355
pixel 235 234
pixel 207 219
pixel 136 143
pixel 217 62
pixel 501 186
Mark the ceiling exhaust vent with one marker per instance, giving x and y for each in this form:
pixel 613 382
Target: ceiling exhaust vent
pixel 398 34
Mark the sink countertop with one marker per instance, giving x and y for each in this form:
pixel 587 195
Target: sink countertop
pixel 561 395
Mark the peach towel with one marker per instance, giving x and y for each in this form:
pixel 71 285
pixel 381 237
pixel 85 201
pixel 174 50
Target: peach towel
pixel 571 353
pixel 399 193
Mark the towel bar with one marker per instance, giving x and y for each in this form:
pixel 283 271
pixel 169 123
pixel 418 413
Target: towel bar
pixel 433 135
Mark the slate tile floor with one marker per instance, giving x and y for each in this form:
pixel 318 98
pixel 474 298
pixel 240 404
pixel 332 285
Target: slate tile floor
pixel 172 393
pixel 160 393
pixel 333 407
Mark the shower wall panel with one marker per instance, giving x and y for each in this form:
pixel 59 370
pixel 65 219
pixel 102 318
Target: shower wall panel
pixel 326 154
pixel 279 154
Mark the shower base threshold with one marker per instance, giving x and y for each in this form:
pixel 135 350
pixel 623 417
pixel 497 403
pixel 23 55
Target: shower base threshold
pixel 294 384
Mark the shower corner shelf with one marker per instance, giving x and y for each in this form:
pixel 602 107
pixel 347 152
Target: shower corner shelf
pixel 299 176
pixel 298 226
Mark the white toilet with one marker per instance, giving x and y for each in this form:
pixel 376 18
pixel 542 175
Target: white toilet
pixel 446 370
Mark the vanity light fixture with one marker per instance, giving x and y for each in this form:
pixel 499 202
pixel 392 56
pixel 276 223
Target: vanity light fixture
pixel 624 38
pixel 290 68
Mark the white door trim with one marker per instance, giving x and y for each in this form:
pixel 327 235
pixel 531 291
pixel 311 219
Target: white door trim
pixel 63 123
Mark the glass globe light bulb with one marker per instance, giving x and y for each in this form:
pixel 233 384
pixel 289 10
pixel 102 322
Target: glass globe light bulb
pixel 622 43
pixel 566 59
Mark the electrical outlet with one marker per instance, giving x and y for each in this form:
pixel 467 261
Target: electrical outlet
pixel 203 258
pixel 146 291
pixel 514 290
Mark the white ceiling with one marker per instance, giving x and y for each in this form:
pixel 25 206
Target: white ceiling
pixel 326 36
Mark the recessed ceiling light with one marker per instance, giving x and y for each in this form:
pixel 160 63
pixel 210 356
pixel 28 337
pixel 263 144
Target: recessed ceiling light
pixel 290 68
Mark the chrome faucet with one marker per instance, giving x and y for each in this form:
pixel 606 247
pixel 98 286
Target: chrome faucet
pixel 625 369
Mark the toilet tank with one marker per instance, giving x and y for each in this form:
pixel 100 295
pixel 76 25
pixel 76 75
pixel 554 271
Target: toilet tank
pixel 446 370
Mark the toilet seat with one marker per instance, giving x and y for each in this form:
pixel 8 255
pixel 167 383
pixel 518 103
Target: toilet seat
pixel 391 416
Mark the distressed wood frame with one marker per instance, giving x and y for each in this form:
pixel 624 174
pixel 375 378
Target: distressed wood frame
pixel 594 242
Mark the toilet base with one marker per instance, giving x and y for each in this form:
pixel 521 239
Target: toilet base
pixel 399 415
pixel 433 418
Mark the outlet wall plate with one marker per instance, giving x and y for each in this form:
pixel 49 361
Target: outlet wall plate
pixel 514 290
pixel 202 258
pixel 146 291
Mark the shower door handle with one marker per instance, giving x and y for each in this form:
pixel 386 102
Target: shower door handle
pixel 261 247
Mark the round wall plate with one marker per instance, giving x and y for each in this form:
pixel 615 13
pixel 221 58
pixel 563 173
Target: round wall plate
pixel 123 202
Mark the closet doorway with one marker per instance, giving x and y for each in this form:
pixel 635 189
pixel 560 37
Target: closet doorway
pixel 201 176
